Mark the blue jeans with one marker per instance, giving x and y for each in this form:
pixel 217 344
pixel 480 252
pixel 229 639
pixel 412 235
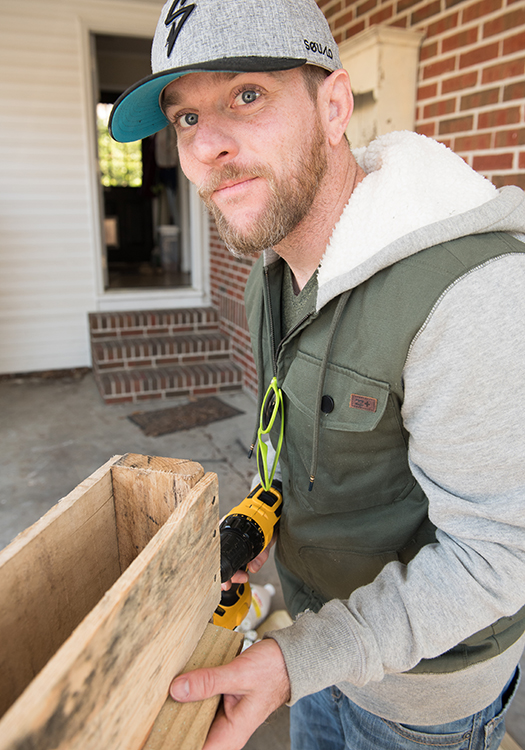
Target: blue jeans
pixel 328 720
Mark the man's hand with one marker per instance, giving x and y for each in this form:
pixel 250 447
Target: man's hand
pixel 254 566
pixel 253 685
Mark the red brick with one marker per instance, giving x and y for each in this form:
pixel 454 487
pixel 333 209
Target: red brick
pixel 514 43
pixel 427 92
pixel 428 128
pixel 382 15
pixel 404 4
pixel 510 138
pixel 504 70
pixel 468 36
pixel 365 7
pixel 479 55
pixel 437 109
pixel 132 332
pixel 400 23
pixel 330 10
pixel 480 99
pixel 479 9
pixel 488 162
pixel 521 161
pixel 343 20
pixel 428 50
pixel 427 11
pixel 444 24
pixel 451 3
pixel 456 125
pixel 464 81
pixel 438 68
pixel 476 142
pixel 355 29
pixel 499 117
pixel 504 22
pixel 510 179
pixel 514 91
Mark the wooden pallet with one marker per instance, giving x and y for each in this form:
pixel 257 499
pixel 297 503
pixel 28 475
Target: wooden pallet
pixel 508 743
pixel 184 726
pixel 103 601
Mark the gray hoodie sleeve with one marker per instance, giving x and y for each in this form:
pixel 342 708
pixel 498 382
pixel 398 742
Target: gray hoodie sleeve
pixel 464 409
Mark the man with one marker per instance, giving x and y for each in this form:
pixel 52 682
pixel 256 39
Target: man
pixel 389 307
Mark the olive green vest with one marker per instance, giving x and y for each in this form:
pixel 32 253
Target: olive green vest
pixel 365 508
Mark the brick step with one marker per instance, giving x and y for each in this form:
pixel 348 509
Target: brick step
pixel 104 325
pixel 133 386
pixel 158 351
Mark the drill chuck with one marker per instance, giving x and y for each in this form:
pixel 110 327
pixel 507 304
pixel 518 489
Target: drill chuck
pixel 242 539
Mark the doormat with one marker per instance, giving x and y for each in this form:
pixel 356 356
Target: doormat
pixel 195 414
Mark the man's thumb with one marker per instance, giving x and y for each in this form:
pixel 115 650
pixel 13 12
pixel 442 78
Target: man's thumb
pixel 180 689
pixel 195 686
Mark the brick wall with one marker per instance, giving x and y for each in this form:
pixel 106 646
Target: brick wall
pixel 471 92
pixel 228 276
pixel 471 96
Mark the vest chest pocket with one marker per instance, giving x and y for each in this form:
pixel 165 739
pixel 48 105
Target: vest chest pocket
pixel 362 455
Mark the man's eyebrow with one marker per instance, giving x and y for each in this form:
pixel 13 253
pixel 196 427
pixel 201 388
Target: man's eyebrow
pixel 169 99
pixel 172 98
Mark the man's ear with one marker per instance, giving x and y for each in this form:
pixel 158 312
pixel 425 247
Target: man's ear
pixel 337 104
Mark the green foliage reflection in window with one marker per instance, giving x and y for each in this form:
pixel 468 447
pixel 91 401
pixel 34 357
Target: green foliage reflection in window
pixel 120 163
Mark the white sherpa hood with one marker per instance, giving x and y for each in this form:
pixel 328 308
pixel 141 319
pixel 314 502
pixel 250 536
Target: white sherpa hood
pixel 417 193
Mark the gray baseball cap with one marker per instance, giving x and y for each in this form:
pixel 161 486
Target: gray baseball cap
pixel 239 36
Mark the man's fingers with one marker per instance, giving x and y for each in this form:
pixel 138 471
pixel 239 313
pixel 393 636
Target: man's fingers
pixel 231 728
pixel 256 564
pixel 240 577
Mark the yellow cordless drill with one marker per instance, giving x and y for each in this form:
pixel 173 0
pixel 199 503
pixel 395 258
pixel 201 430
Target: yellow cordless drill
pixel 245 532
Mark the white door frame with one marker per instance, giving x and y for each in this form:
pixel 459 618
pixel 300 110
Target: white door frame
pixel 195 217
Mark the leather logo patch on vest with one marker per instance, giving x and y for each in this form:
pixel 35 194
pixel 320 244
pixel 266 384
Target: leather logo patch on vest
pixel 365 403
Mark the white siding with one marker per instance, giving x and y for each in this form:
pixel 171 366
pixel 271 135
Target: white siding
pixel 50 274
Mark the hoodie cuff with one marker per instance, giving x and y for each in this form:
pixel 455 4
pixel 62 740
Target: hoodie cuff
pixel 321 650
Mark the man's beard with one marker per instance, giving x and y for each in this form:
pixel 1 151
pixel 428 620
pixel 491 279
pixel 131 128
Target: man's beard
pixel 290 200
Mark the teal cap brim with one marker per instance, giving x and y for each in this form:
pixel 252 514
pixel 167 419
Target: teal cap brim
pixel 137 113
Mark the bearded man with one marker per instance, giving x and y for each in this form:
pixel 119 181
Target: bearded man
pixel 388 308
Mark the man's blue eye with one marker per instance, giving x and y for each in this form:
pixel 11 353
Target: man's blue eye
pixel 249 96
pixel 187 121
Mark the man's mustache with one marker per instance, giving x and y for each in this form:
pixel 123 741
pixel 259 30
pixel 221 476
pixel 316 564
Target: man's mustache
pixel 231 172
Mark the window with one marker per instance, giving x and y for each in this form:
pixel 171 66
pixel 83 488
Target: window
pixel 120 163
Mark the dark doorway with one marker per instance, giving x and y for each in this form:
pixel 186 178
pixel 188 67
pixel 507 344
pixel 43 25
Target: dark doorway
pixel 141 182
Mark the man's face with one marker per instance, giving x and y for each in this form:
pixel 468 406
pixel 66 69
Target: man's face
pixel 254 146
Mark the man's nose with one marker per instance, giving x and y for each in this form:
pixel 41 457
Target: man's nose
pixel 214 143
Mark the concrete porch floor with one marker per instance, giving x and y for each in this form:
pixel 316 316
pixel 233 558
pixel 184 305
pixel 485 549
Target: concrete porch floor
pixel 55 432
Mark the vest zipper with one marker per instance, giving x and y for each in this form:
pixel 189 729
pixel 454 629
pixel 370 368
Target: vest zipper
pixel 276 352
pixel 269 320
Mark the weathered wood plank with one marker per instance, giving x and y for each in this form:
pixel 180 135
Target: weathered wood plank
pixel 507 743
pixel 147 490
pixel 108 681
pixel 51 576
pixel 184 726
